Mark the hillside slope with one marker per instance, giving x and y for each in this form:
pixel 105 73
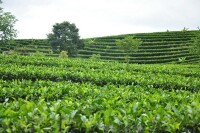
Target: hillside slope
pixel 159 47
pixel 27 47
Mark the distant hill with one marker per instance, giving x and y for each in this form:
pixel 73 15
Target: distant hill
pixel 157 47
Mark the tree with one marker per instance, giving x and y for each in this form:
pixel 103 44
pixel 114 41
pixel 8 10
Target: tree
pixel 195 49
pixel 90 41
pixel 65 37
pixel 184 30
pixel 7 23
pixel 0 3
pixel 128 45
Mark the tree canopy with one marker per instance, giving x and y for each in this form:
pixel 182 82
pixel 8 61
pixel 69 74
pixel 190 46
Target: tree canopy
pixel 65 37
pixel 128 45
pixel 7 23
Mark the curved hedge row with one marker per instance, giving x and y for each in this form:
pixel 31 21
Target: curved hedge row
pixel 27 46
pixel 160 47
pixel 175 44
pixel 46 94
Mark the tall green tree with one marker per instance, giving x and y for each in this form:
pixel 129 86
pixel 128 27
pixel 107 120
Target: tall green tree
pixel 128 45
pixel 65 37
pixel 7 23
pixel 0 3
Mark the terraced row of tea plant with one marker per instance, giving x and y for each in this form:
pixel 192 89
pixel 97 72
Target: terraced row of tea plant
pixel 160 47
pixel 27 47
pixel 46 94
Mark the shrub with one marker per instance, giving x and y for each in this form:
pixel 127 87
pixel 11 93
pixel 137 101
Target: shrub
pixel 63 54
pixel 128 45
pixel 185 29
pixel 95 57
pixel 11 52
pixel 38 54
pixel 90 41
pixel 182 59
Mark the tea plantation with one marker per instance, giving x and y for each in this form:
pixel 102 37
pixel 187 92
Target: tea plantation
pixel 50 94
pixel 158 47
pixel 158 92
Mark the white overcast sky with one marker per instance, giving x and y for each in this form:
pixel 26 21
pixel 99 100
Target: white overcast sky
pixel 103 17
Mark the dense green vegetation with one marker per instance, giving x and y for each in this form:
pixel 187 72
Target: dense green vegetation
pixel 128 45
pixel 159 47
pixel 195 49
pixel 28 47
pixel 7 23
pixel 65 37
pixel 48 94
pixel 44 94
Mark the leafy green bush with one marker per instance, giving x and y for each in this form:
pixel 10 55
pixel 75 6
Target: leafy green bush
pixel 185 30
pixel 38 54
pixel 11 52
pixel 95 57
pixel 128 44
pixel 90 41
pixel 182 59
pixel 63 54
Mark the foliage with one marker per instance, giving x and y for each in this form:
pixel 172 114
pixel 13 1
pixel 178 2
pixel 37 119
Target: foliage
pixel 160 47
pixel 63 54
pixel 0 7
pixel 95 57
pixel 166 76
pixel 182 59
pixel 43 94
pixel 38 54
pixel 65 37
pixel 10 52
pixel 90 41
pixel 7 23
pixel 195 49
pixel 128 45
pixel 157 47
pixel 185 29
pixel 33 42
